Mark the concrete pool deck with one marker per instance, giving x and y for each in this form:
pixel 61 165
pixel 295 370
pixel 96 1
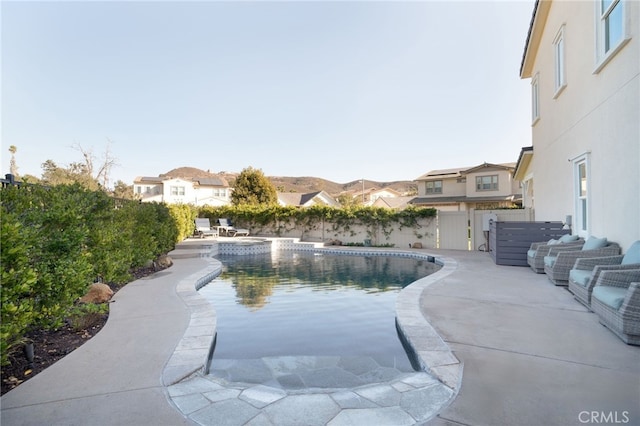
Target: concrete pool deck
pixel 531 355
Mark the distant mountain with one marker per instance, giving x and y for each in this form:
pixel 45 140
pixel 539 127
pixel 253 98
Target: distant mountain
pixel 304 184
pixel 307 184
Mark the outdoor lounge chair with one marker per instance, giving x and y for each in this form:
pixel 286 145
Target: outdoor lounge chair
pixel 537 251
pixel 559 262
pixel 226 228
pixel 616 301
pixel 585 272
pixel 204 228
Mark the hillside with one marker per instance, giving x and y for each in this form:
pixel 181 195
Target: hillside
pixel 311 184
pixel 304 184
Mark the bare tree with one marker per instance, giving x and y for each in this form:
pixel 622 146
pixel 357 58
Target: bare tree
pixel 103 172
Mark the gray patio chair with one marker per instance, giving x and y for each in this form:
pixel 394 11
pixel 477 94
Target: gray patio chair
pixel 585 272
pixel 225 227
pixel 537 251
pixel 204 228
pixel 616 301
pixel 559 262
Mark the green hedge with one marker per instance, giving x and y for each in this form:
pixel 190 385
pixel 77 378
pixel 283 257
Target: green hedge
pixel 282 218
pixel 56 241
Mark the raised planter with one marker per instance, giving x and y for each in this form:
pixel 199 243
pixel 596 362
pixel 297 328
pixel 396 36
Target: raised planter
pixel 510 241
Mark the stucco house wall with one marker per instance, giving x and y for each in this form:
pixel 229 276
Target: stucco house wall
pixel 452 187
pixel 185 191
pixel 594 118
pixel 506 184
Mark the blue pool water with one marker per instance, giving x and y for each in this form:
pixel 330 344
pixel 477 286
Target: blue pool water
pixel 306 304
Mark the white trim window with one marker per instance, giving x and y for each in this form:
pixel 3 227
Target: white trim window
pixel 581 191
pixel 487 183
pixel 610 30
pixel 177 191
pixel 535 99
pixel 433 187
pixel 558 54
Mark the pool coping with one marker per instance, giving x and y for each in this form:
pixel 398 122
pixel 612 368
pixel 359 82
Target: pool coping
pixel 194 351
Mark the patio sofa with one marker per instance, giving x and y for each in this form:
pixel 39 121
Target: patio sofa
pixel 537 251
pixel 585 272
pixel 616 301
pixel 559 262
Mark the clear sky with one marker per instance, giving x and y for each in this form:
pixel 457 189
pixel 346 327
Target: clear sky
pixel 341 90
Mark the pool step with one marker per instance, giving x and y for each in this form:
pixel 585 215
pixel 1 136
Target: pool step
pixel 190 249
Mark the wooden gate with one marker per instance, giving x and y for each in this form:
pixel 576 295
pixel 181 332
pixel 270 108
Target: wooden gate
pixel 463 230
pixel 453 230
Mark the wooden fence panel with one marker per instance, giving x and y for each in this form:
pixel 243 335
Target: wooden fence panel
pixel 510 241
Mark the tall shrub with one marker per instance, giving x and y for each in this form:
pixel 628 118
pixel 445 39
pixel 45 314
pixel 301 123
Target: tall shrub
pixel 58 244
pixel 112 244
pixel 18 281
pixel 184 216
pixel 165 231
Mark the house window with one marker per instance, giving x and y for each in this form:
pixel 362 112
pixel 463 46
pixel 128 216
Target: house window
pixel 558 52
pixel 609 30
pixel 581 190
pixel 535 100
pixel 434 187
pixel 487 183
pixel 611 21
pixel 177 190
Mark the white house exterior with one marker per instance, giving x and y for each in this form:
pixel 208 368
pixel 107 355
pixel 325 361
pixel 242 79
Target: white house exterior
pixel 583 59
pixel 369 196
pixel 319 198
pixel 210 191
pixel 486 186
pixel 396 203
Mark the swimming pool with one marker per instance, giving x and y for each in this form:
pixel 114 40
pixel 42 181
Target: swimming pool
pixel 301 304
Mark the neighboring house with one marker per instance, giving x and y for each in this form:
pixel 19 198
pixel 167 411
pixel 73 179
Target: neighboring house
pixel 583 59
pixel 319 198
pixel 524 174
pixel 199 191
pixel 369 196
pixel 487 186
pixel 396 203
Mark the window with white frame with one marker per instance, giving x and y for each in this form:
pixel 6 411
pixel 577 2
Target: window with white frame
pixel 581 190
pixel 434 187
pixel 609 29
pixel 559 69
pixel 535 99
pixel 177 190
pixel 487 183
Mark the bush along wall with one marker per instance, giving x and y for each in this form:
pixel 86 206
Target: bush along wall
pixel 322 222
pixel 56 241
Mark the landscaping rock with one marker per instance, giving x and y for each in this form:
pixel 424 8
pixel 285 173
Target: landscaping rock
pixel 164 261
pixel 417 245
pixel 98 293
